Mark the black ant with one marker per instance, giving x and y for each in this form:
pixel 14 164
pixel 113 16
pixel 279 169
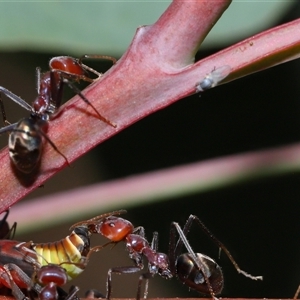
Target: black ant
pixel 196 270
pixel 26 136
pixel 7 232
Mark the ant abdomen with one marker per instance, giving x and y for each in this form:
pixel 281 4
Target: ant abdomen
pixel 25 145
pixel 193 277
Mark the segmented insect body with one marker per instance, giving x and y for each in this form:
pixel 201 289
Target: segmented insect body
pixel 213 78
pixel 52 277
pixel 196 270
pixel 74 248
pixel 26 136
pixel 20 261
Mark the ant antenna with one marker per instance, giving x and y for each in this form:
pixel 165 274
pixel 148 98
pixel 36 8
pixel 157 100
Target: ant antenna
pixel 219 244
pixel 197 259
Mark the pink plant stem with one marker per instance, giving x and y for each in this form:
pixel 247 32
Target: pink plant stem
pixel 11 298
pixel 155 72
pixel 159 185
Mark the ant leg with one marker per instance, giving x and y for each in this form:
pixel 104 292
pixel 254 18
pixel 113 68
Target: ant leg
pixel 154 243
pixel 12 231
pixel 5 122
pixel 7 233
pixel 8 127
pixel 86 56
pixel 17 293
pixel 4 227
pixel 15 98
pixel 148 275
pixel 140 230
pixel 96 249
pixel 196 258
pixel 186 229
pixel 72 293
pixel 78 92
pixel 38 79
pixel 119 271
pixel 297 293
pixel 54 146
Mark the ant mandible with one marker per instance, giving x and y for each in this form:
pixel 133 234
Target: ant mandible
pixel 196 270
pixel 26 136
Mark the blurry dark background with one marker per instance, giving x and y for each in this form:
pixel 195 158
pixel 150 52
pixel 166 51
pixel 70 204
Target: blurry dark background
pixel 257 221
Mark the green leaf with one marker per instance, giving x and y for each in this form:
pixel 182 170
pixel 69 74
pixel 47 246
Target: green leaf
pixel 107 27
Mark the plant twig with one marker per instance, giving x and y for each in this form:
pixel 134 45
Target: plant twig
pixel 155 186
pixel 155 72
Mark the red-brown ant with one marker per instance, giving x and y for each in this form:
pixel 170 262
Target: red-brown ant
pixel 51 277
pixel 20 262
pixel 26 136
pixel 197 271
pixel 47 279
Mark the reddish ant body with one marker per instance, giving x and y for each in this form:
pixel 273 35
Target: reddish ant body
pixel 20 263
pixel 26 136
pixel 52 277
pixel 197 271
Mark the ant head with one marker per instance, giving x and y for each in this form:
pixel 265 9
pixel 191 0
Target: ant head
pixel 113 228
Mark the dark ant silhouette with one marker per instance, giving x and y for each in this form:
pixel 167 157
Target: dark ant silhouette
pixel 196 270
pixel 7 232
pixel 26 136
